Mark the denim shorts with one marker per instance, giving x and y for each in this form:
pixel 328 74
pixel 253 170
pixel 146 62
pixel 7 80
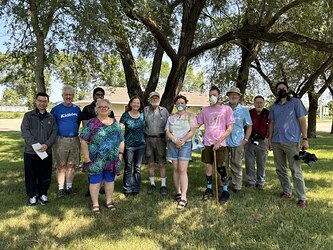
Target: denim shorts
pixel 98 178
pixel 184 153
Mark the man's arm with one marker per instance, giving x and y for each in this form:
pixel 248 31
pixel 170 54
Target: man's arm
pixel 304 143
pixel 270 135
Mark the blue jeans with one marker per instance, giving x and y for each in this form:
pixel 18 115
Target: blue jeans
pixel 132 179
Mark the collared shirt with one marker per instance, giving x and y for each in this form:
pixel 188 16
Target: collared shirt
pixel 287 127
pixel 260 122
pixel 155 120
pixel 242 119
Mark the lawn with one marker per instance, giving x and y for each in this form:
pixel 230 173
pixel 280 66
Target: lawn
pixel 257 220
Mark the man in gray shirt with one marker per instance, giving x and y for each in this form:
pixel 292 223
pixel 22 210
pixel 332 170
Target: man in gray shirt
pixel 155 121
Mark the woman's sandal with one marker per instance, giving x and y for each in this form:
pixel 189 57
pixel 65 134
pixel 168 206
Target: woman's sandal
pixel 178 197
pixel 95 209
pixel 182 204
pixel 110 206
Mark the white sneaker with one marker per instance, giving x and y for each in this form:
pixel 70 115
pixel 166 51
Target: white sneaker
pixel 32 201
pixel 43 200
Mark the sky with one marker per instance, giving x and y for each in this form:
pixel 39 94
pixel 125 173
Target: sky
pixel 54 93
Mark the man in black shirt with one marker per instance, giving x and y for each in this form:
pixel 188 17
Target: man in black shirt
pixel 88 111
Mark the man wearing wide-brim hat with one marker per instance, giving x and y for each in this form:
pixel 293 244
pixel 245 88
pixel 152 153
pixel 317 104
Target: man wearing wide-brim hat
pixel 155 120
pixel 238 138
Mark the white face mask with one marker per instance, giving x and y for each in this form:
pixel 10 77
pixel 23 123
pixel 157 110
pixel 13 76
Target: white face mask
pixel 212 100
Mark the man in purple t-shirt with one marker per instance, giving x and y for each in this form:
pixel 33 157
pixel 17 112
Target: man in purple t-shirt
pixel 288 122
pixel 218 120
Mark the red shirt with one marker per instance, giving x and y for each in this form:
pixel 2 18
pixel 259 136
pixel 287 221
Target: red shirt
pixel 260 122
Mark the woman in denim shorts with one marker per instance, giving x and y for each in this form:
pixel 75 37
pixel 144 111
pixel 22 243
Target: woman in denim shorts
pixel 180 128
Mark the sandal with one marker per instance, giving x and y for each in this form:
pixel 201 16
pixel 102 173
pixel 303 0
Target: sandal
pixel 182 204
pixel 178 197
pixel 95 209
pixel 110 206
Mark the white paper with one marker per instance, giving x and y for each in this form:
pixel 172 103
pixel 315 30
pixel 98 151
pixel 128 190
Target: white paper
pixel 36 147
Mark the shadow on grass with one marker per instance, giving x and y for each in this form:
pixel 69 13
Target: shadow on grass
pixel 257 220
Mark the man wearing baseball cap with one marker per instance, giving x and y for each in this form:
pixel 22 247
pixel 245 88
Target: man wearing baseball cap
pixel 155 121
pixel 238 138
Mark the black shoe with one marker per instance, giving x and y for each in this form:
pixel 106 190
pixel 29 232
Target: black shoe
pixel 208 195
pixel 70 191
pixel 61 193
pixel 32 201
pixel 163 191
pixel 224 197
pixel 151 189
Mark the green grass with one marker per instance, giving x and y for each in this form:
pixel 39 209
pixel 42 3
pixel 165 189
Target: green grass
pixel 258 220
pixel 11 115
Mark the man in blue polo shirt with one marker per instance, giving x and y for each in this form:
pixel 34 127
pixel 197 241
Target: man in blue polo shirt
pixel 238 138
pixel 67 147
pixel 288 122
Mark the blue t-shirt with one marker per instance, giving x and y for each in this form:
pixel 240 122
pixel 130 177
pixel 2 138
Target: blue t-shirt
pixel 67 119
pixel 287 127
pixel 242 119
pixel 134 130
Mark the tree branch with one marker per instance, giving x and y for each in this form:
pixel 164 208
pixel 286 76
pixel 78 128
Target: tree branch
pixel 283 10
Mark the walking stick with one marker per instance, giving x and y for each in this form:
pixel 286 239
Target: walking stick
pixel 216 186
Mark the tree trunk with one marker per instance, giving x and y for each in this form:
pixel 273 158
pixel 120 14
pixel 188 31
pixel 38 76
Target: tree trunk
pixel 39 65
pixel 332 127
pixel 249 53
pixel 131 74
pixel 155 73
pixel 312 115
pixel 175 80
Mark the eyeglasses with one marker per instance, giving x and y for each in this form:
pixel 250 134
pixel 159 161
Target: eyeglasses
pixel 103 107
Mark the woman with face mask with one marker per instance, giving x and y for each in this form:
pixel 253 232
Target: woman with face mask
pixel 180 128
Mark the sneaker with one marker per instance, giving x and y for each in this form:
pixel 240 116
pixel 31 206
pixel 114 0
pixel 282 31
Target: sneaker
pixel 301 204
pixel 61 193
pixel 32 201
pixel 151 189
pixel 285 196
pixel 163 191
pixel 43 200
pixel 224 197
pixel 208 194
pixel 70 191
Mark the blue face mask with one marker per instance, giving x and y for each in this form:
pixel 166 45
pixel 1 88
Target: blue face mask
pixel 180 107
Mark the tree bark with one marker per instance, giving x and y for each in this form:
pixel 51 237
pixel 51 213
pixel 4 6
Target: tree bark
pixel 175 79
pixel 312 115
pixel 131 74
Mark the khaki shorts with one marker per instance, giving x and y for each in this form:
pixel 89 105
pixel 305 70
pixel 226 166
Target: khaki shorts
pixel 207 156
pixel 66 151
pixel 155 150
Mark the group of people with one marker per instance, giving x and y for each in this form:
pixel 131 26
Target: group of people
pixel 231 133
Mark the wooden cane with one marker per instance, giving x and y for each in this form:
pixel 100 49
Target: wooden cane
pixel 216 181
